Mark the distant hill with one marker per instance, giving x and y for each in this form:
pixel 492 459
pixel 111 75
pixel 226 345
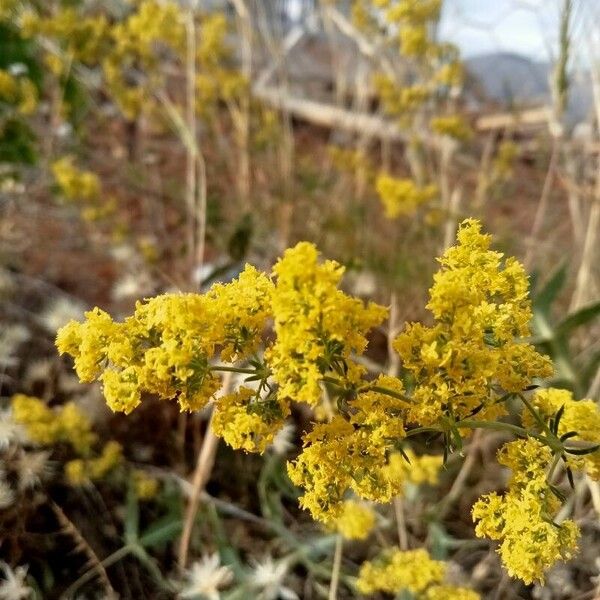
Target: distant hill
pixel 510 78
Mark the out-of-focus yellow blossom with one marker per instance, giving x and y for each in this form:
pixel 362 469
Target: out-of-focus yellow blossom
pixel 482 311
pixel 504 161
pixel 80 38
pixel 75 472
pixel 47 426
pixel 217 79
pixel 131 69
pixel 146 487
pixel 356 520
pixel 530 542
pixel 74 183
pixel 110 458
pixel 402 196
pixel 453 126
pixel 581 416
pixel 349 160
pixel 413 11
pixel 6 8
pixel 97 212
pixel 248 422
pixel 395 571
pixel 351 454
pixel 414 40
pixel 362 17
pixel 397 100
pixel 19 92
pixel 317 326
pixel 417 470
pixel 449 592
pixel 82 471
pixel 451 74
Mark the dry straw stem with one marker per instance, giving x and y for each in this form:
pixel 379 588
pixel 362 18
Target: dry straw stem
pixel 337 566
pixel 204 465
pixel 191 125
pixel 584 283
pixel 543 203
pixel 241 115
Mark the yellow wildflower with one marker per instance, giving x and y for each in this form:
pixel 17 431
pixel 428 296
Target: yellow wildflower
pixel 351 455
pixel 73 183
pixel 47 426
pixel 356 520
pixel 317 326
pixel 418 470
pixel 402 196
pixel 19 92
pixel 578 416
pixel 248 422
pixel 452 126
pixel 397 571
pixel 75 472
pixel 449 592
pixel 82 471
pixel 146 487
pixel 482 311
pixel 530 542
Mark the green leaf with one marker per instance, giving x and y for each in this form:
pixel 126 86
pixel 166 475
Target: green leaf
pixel 578 318
pixel 588 372
pixel 543 300
pixel 161 531
pixel 132 516
pixel 583 451
pixel 567 435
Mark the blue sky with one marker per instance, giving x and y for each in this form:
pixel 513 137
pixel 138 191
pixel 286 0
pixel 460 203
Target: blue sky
pixel 528 27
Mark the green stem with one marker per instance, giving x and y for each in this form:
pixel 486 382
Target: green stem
pixel 497 426
pixel 553 467
pixel 233 369
pixel 536 415
pixel 383 390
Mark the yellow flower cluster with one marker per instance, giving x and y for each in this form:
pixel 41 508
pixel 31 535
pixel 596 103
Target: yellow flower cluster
pixel 146 487
pixel 414 571
pixel 402 196
pixel 355 522
pixel 215 80
pixel 417 470
pixel 409 25
pixel 317 326
pixel 504 161
pixel 19 92
pixel 46 426
pixel 165 347
pixel 131 68
pixel 81 471
pixel 75 184
pixel 80 38
pixel 246 421
pixel 522 519
pixel 398 101
pixel 482 310
pixel 131 51
pixel 453 126
pixel 580 416
pixel 350 453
